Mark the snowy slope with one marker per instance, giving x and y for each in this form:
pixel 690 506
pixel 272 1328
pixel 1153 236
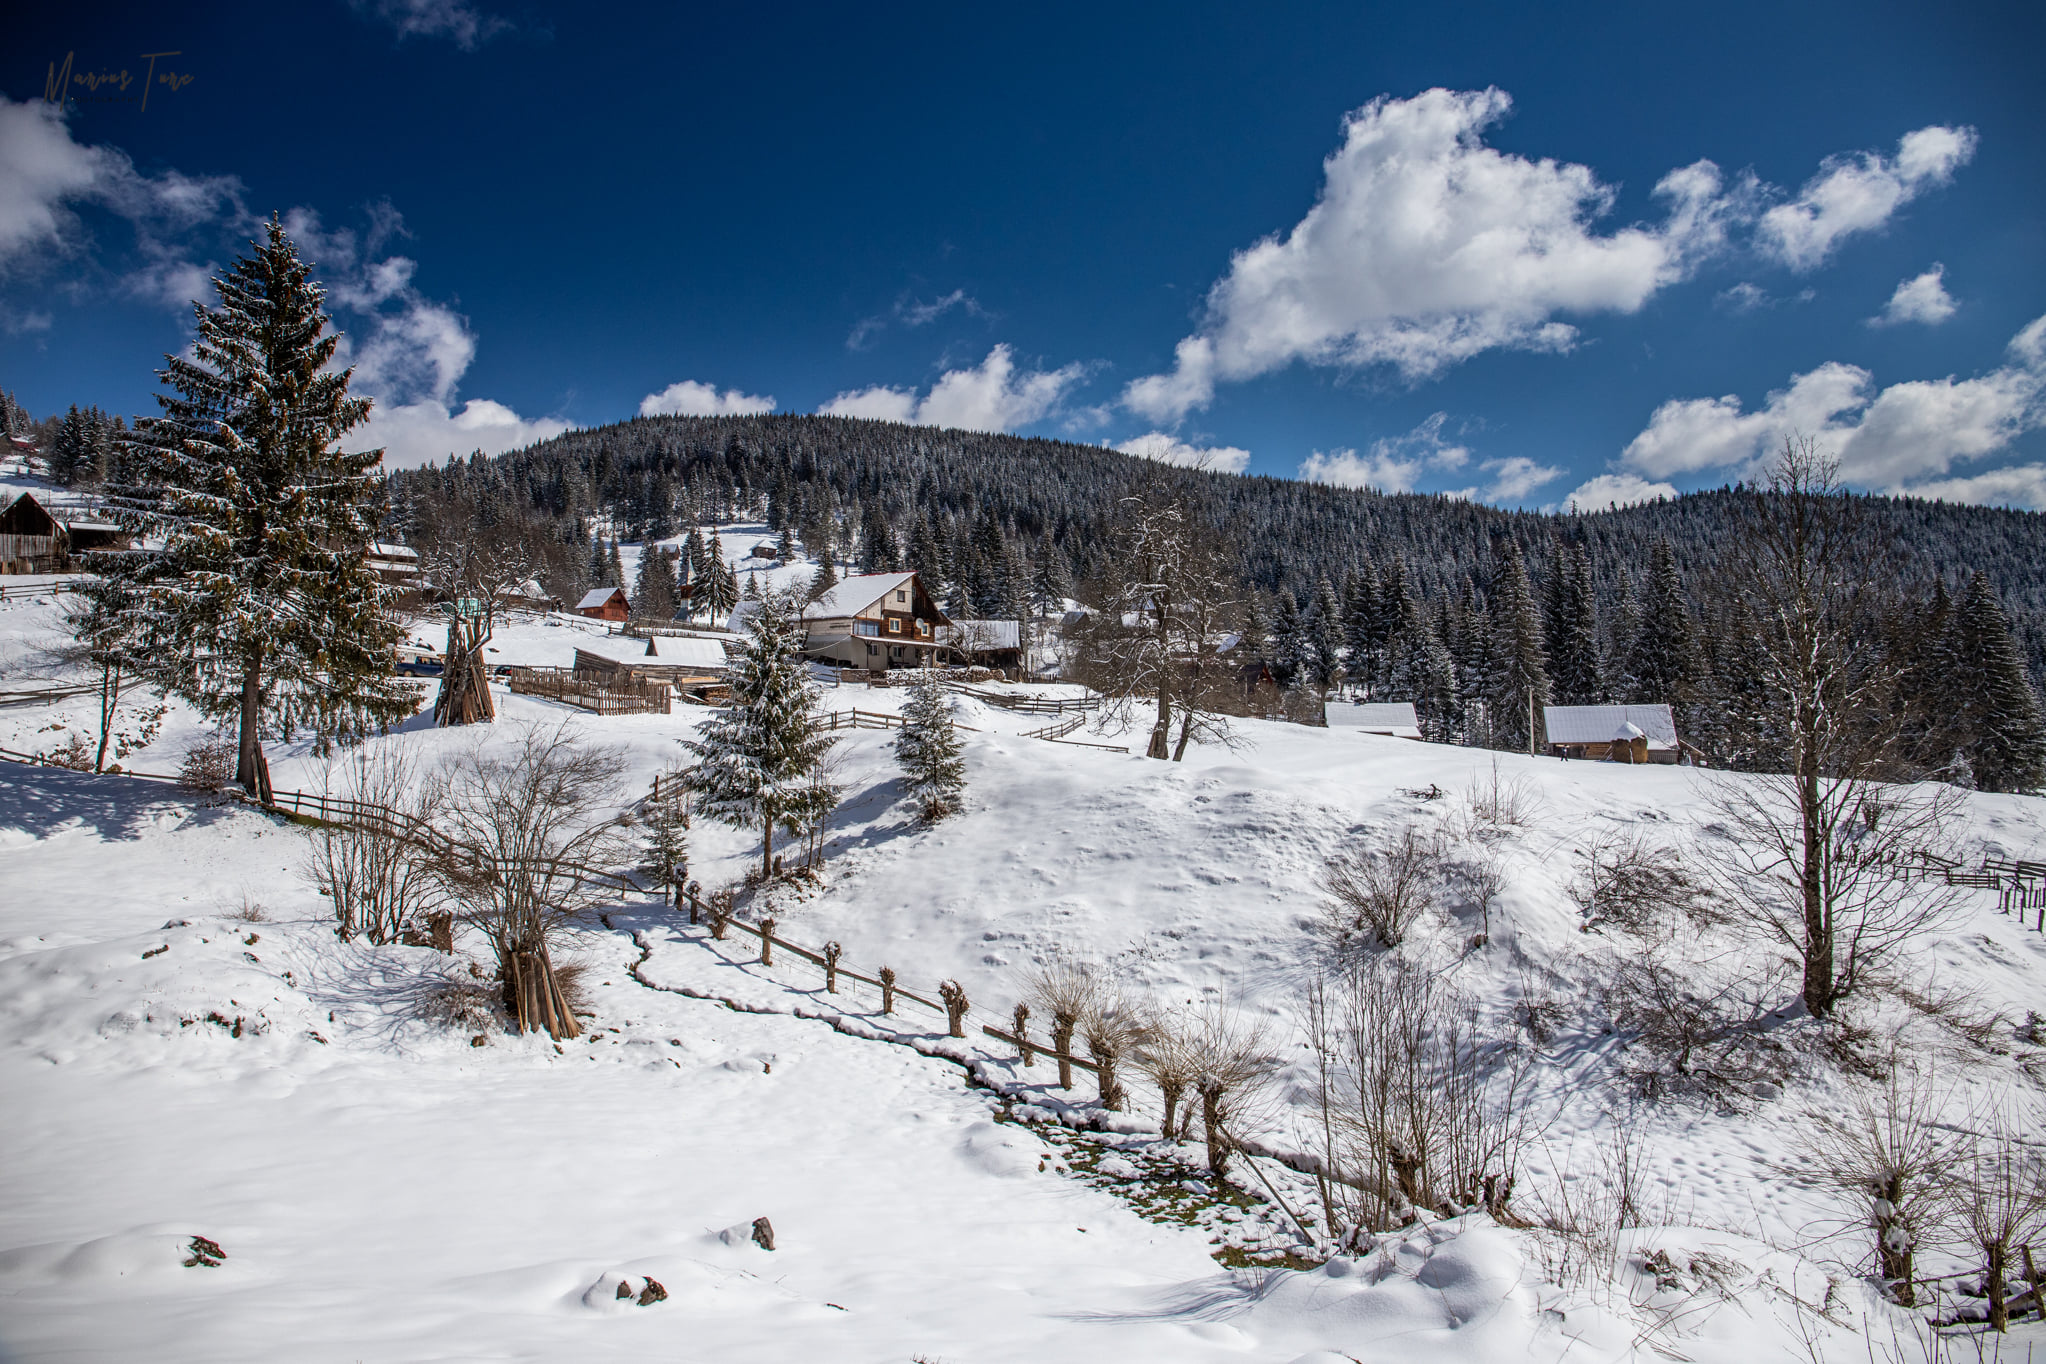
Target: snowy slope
pixel 384 1189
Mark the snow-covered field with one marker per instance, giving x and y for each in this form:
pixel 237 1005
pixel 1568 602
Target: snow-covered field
pixel 185 1050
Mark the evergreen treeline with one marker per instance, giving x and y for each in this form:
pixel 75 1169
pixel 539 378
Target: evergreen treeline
pixel 1002 521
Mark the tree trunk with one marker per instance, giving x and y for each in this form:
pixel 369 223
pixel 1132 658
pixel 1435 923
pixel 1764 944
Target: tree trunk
pixel 1186 723
pixel 109 701
pixel 1999 1309
pixel 1211 1123
pixel 1161 731
pixel 766 848
pixel 252 771
pixel 1062 1044
pixel 1171 1094
pixel 1819 992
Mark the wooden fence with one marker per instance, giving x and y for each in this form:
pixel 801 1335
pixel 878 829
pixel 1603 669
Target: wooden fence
pixel 619 696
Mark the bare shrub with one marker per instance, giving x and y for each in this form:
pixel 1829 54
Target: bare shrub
pixel 1419 1109
pixel 1998 1196
pixel 1168 1057
pixel 1493 806
pixel 1692 1029
pixel 1378 896
pixel 74 753
pixel 1889 1155
pixel 209 765
pixel 524 829
pixel 379 879
pixel 1628 883
pixel 1480 883
pixel 470 1006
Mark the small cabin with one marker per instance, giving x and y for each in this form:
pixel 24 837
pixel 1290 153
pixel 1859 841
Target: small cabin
pixel 1618 734
pixel 605 603
pixel 874 620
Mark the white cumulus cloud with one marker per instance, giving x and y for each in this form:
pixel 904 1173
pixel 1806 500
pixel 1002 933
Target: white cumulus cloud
pixel 1427 247
pixel 1393 463
pixel 689 398
pixel 1514 477
pixel 1622 490
pixel 1860 193
pixel 1221 459
pixel 1905 438
pixel 992 396
pixel 1921 299
pixel 422 432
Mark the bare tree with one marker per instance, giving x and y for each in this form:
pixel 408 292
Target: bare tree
pixel 1167 604
pixel 1808 854
pixel 528 839
pixel 1065 991
pixel 1168 1057
pixel 1232 1064
pixel 1888 1153
pixel 1112 1027
pixel 1999 1196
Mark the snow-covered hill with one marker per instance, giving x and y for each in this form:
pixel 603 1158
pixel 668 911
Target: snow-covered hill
pixel 187 1052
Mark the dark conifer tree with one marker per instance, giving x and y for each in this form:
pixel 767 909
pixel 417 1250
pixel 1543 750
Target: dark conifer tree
pixel 1995 708
pixel 1517 677
pixel 1664 660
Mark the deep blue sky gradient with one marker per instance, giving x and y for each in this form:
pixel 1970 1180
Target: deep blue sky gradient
pixel 619 197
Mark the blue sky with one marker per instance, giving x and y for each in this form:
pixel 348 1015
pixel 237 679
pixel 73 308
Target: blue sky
pixel 1517 253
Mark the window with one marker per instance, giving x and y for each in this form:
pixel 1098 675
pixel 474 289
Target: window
pixel 923 627
pixel 894 625
pixel 902 596
pixel 873 649
pixel 866 627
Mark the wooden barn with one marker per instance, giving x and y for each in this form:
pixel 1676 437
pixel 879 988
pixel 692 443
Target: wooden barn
pixel 30 539
pixel 605 603
pixel 1620 734
pixel 987 643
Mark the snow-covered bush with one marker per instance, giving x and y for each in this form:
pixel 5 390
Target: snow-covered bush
pixel 209 764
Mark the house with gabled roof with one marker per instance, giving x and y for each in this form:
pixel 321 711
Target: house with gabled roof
pixel 605 603
pixel 875 620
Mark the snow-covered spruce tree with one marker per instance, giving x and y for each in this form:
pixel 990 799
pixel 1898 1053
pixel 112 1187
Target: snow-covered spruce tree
pixel 261 602
pixel 653 595
pixel 717 588
pixel 928 750
pixel 1663 662
pixel 1517 677
pixel 1993 704
pixel 760 756
pixel 1573 627
pixel 826 576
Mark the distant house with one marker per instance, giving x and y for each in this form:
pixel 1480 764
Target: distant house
pixel 95 537
pixel 989 643
pixel 766 549
pixel 605 603
pixel 1621 734
pixel 1395 718
pixel 30 538
pixel 396 565
pixel 874 620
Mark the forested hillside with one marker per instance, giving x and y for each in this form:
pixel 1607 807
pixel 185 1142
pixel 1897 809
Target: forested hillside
pixel 943 501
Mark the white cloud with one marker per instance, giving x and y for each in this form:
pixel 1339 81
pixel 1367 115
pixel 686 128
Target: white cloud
pixel 1622 490
pixel 1394 463
pixel 41 169
pixel 1923 299
pixel 2021 485
pixel 912 313
pixel 1860 193
pixel 692 399
pixel 1427 247
pixel 412 434
pixel 1515 477
pixel 1221 459
pixel 462 24
pixel 992 396
pixel 1905 438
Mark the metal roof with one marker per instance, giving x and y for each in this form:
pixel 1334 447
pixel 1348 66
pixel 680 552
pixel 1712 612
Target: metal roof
pixel 1608 724
pixel 982 634
pixel 597 596
pixel 850 596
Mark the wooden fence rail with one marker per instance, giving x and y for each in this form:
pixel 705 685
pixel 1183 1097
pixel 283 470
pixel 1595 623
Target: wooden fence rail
pixel 619 696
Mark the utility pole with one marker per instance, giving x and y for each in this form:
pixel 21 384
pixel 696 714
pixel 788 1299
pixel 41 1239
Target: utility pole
pixel 1530 722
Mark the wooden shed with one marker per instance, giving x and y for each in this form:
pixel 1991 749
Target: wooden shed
pixel 605 603
pixel 29 538
pixel 1620 734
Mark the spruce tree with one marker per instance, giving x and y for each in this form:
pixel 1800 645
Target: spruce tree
pixel 1517 676
pixel 928 749
pixel 1360 611
pixel 1995 708
pixel 1324 639
pixel 1664 660
pixel 760 756
pixel 261 601
pixel 653 595
pixel 1290 647
pixel 1573 628
pixel 614 568
pixel 825 578
pixel 717 589
pixel 1049 590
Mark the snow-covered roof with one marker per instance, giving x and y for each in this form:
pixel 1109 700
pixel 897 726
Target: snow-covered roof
pixel 1610 724
pixel 661 651
pixel 383 551
pixel 855 594
pixel 1378 717
pixel 597 596
pixel 982 634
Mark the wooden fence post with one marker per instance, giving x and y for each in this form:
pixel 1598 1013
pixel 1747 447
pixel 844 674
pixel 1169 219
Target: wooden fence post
pixel 887 989
pixel 1021 1019
pixel 767 942
pixel 832 952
